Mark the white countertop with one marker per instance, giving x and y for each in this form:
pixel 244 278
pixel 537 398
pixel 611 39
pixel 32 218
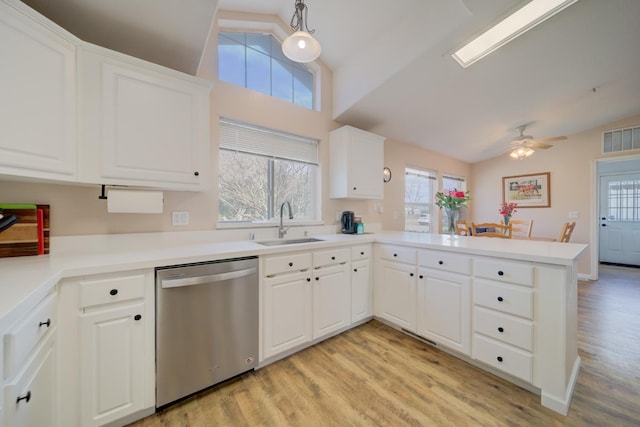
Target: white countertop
pixel 25 280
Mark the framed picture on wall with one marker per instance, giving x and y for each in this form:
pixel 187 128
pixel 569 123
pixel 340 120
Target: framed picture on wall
pixel 528 191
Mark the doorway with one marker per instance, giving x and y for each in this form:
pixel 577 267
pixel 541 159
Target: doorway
pixel 619 212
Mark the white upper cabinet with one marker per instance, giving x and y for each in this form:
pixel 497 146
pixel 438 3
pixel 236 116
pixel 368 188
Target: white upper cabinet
pixel 141 124
pixel 38 96
pixel 355 164
pixel 71 111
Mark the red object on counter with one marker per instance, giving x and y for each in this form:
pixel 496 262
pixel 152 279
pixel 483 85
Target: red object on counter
pixel 40 218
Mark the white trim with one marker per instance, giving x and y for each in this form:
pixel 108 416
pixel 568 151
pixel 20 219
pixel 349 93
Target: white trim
pixel 594 234
pixel 561 404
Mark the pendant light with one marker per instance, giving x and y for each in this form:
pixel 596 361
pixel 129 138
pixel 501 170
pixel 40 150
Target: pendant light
pixel 301 46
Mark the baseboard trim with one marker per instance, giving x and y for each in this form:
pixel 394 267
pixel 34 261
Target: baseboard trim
pixel 561 404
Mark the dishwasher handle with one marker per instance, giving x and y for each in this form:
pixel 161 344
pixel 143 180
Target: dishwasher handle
pixel 199 280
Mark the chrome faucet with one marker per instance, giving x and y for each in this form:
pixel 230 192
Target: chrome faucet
pixel 282 230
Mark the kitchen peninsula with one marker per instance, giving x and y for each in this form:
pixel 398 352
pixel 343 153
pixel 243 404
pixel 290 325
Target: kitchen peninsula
pixel 509 307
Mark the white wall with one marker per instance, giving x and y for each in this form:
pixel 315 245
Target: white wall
pixel 397 156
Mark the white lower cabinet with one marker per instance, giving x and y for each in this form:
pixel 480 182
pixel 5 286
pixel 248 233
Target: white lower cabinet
pixel 29 367
pixel 306 296
pixel 444 309
pixel 107 356
pixel 112 363
pixel 395 296
pixel 444 299
pixel 503 297
pixel 395 286
pixel 30 398
pixel 287 312
pixel 331 300
pixel 361 295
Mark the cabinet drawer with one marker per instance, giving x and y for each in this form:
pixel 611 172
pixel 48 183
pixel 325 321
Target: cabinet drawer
pixel 445 261
pixel 331 257
pixel 288 263
pixel 503 357
pixel 506 298
pixel 360 252
pixel 112 289
pixel 503 327
pixel 398 254
pixel 21 340
pixel 504 271
pixel 30 396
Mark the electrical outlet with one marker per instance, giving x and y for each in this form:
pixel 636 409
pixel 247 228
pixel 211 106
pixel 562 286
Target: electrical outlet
pixel 180 218
pixel 574 214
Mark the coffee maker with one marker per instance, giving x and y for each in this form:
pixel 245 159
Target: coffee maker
pixel 348 222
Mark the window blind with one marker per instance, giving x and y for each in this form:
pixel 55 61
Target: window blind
pixel 246 138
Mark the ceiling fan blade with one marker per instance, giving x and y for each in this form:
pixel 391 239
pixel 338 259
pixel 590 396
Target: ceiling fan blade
pixel 552 139
pixel 538 144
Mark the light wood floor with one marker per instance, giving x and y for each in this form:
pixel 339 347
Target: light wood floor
pixel 374 375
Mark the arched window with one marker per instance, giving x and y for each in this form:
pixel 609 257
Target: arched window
pixel 256 61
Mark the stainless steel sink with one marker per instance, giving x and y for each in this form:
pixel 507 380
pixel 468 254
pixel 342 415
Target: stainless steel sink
pixel 281 242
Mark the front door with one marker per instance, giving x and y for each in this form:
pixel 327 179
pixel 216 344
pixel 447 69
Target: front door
pixel 619 216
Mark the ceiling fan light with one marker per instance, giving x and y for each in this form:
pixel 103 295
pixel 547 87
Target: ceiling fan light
pixel 301 47
pixel 521 153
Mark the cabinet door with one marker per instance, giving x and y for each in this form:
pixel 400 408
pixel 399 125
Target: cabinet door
pixel 112 360
pixel 287 312
pixel 31 397
pixel 360 290
pixel 38 101
pixel 366 164
pixel 444 305
pixel 331 300
pixel 141 125
pixel 356 163
pixel 395 294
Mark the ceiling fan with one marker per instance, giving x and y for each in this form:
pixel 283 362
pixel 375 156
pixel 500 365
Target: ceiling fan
pixel 523 146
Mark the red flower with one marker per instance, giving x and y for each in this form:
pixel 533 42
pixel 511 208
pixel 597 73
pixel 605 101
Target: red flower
pixel 507 209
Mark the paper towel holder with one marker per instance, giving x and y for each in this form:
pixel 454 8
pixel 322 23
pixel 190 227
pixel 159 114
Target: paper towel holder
pixel 102 195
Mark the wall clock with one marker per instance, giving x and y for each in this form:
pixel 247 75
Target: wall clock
pixel 386 174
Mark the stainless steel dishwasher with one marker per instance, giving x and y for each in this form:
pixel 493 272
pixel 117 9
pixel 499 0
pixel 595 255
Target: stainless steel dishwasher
pixel 206 325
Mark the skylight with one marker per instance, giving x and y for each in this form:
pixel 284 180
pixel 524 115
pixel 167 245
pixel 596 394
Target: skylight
pixel 519 22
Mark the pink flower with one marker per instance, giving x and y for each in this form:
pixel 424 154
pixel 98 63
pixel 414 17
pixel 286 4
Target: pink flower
pixel 507 209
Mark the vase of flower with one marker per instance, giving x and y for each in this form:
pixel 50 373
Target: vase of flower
pixel 450 219
pixel 506 210
pixel 451 202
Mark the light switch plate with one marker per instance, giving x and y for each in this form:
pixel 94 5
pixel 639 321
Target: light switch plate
pixel 574 214
pixel 180 218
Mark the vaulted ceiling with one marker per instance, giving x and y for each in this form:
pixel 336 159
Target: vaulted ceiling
pixel 392 65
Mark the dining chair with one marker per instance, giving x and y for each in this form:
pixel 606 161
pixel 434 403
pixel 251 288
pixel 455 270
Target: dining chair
pixel 491 229
pixel 567 230
pixel 462 228
pixel 520 227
